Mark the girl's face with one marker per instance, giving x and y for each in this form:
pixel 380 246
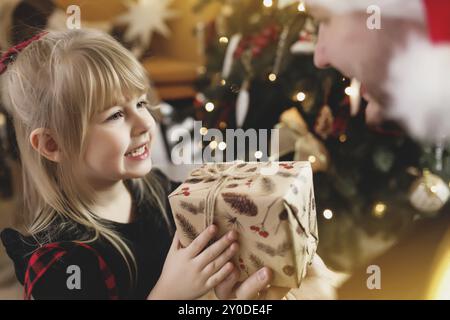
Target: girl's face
pixel 118 143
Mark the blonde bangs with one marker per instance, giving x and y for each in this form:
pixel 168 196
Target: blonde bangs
pixel 105 75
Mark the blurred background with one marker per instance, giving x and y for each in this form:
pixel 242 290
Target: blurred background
pixel 249 64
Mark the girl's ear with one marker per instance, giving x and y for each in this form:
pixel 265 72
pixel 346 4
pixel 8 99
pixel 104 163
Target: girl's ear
pixel 43 142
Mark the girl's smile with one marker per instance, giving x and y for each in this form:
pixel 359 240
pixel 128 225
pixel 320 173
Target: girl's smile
pixel 119 142
pixel 140 153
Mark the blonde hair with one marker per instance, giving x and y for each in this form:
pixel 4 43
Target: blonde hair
pixel 60 82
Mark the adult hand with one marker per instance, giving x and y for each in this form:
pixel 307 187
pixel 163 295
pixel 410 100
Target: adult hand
pixel 250 289
pixel 319 283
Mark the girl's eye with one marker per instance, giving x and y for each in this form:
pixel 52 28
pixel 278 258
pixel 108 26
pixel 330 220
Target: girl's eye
pixel 116 116
pixel 142 104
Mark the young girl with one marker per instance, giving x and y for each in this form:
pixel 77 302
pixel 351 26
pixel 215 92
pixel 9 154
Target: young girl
pixel 98 222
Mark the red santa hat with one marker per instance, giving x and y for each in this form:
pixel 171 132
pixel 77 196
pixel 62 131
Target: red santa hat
pixel 419 74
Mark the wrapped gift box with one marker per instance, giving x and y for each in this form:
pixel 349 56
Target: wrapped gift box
pixel 273 212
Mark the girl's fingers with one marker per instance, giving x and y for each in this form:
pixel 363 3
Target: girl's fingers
pixel 201 241
pixel 219 276
pixel 221 260
pixel 214 250
pixel 224 290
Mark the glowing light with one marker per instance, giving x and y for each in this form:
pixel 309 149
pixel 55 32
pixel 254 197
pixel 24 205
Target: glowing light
pixel 379 210
pixel 301 7
pixel 213 145
pixel 258 154
pixel 272 77
pixel 343 138
pixel 223 82
pixel 203 131
pixel 440 284
pixel 443 291
pixel 268 3
pixel 350 91
pixel 223 40
pixel 328 214
pixel 312 159
pixel 301 96
pixel 222 146
pixel 209 106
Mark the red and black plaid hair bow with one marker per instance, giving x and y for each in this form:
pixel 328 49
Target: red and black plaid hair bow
pixel 10 55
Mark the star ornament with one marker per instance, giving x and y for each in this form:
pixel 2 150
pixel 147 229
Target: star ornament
pixel 145 17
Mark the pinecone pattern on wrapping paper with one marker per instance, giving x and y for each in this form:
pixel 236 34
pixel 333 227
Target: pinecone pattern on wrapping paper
pixel 187 228
pixel 274 214
pixel 241 204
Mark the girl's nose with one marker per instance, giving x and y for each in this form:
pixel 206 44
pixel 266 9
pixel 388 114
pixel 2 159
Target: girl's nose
pixel 142 124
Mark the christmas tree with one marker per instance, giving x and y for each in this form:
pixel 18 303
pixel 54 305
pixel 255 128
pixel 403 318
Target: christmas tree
pixel 371 183
pixel 249 50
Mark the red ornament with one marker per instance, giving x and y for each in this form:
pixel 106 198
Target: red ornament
pixel 256 51
pixel 261 42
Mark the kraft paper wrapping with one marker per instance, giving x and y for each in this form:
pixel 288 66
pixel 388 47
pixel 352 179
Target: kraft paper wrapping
pixel 275 214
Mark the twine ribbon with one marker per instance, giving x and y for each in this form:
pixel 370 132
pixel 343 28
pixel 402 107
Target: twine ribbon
pixel 221 177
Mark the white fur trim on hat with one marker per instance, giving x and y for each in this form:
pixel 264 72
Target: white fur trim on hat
pixel 419 85
pixel 408 9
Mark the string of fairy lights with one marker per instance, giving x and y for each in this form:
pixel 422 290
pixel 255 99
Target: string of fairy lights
pixel 353 91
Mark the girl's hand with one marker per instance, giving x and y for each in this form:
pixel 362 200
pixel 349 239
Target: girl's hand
pixel 189 273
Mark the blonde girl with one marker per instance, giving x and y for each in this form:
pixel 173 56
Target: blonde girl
pixel 98 225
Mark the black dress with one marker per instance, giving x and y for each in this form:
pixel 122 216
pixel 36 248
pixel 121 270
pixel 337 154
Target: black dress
pixel 149 237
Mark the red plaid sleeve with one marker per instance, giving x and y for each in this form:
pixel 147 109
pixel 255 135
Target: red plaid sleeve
pixel 44 258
